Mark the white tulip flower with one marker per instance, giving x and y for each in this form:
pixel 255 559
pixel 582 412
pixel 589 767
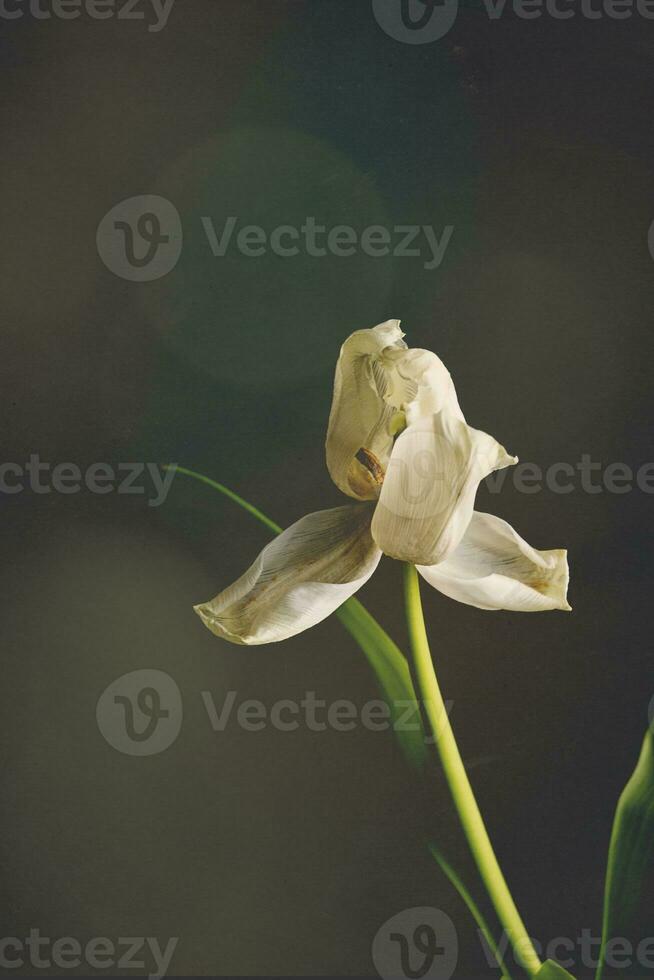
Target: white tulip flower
pixel 399 445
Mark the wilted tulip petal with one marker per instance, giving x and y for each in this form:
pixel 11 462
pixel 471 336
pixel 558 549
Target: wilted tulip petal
pixel 359 417
pixel 419 384
pixel 380 387
pixel 428 494
pixel 494 568
pixel 298 579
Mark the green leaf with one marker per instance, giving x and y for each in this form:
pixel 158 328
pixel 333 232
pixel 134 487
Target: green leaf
pixel 384 656
pixel 245 504
pixel 393 676
pixel 552 971
pixel 456 880
pixel 631 848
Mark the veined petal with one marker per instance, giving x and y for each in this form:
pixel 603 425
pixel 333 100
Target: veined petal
pixel 298 579
pixel 428 495
pixel 494 568
pixel 419 384
pixel 360 418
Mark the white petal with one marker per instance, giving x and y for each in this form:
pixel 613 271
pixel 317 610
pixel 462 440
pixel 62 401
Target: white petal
pixel 494 568
pixel 419 384
pixel 428 495
pixel 298 579
pixel 379 387
pixel 359 417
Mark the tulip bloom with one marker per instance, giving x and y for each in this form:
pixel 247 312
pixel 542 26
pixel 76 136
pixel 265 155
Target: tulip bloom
pixel 399 446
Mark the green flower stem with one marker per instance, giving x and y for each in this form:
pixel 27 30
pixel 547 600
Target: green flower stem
pixel 457 779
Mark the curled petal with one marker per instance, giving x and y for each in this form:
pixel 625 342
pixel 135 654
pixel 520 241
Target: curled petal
pixel 360 418
pixel 380 386
pixel 298 579
pixel 428 494
pixel 494 568
pixel 419 384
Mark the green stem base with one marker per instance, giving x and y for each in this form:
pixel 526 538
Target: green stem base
pixel 459 784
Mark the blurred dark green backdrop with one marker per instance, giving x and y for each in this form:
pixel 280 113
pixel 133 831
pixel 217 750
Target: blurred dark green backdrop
pixel 283 853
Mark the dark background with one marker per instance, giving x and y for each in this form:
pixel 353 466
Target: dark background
pixel 283 853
